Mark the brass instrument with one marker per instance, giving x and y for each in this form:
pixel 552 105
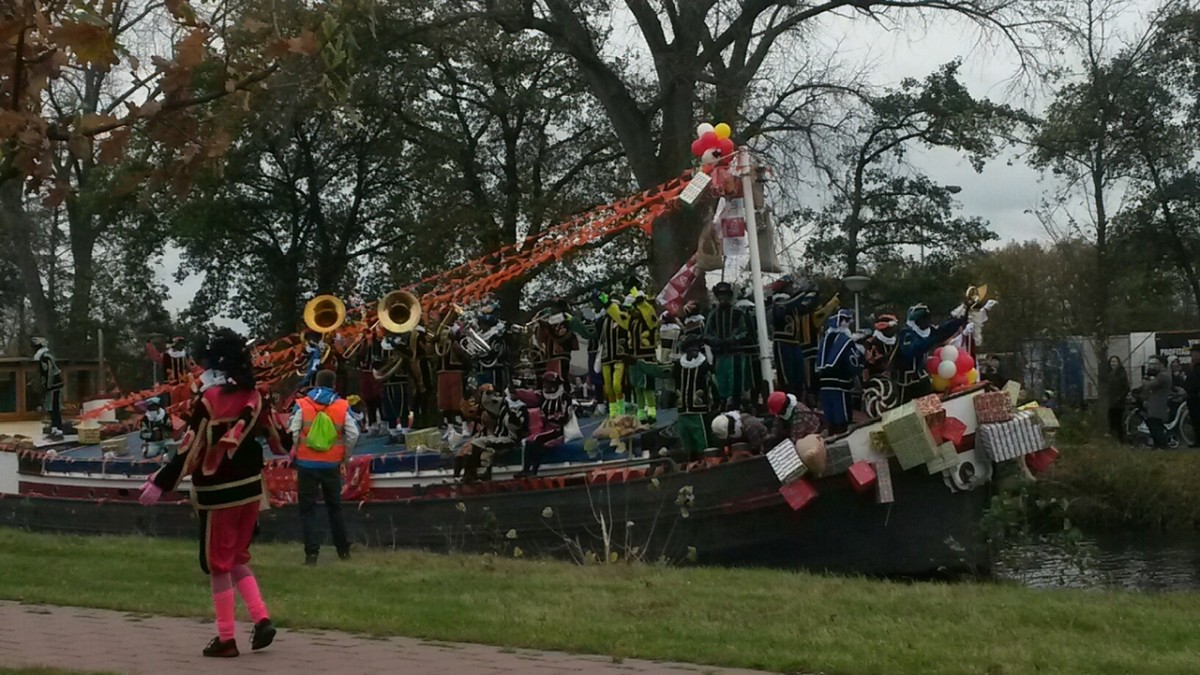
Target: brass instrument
pixel 399 312
pixel 475 344
pixel 976 296
pixel 324 314
pixel 441 336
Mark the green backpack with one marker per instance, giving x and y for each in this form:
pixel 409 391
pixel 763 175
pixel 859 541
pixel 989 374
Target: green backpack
pixel 322 435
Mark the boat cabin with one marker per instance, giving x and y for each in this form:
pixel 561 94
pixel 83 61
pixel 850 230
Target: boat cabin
pixel 21 391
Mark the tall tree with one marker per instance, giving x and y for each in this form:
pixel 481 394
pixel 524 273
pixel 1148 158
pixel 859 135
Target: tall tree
pixel 704 59
pixel 882 202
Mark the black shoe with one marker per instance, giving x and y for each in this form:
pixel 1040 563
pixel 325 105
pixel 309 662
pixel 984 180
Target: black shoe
pixel 221 649
pixel 344 555
pixel 262 635
pixel 310 559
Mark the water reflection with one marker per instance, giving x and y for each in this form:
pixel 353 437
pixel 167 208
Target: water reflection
pixel 1131 561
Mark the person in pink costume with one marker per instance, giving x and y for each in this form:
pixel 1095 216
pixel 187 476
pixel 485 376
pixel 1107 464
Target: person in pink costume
pixel 220 452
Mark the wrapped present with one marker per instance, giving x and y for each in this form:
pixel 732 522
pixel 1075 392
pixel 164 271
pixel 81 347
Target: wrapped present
pixel 785 462
pixel 879 442
pixel 929 405
pixel 798 494
pixel 947 458
pixel 883 482
pixel 992 407
pixel 954 431
pixel 935 419
pixel 1041 460
pixel 1013 389
pixel 812 453
pixel 430 438
pixel 862 476
pixel 838 458
pixel 909 436
pixel 1047 417
pixel 1020 436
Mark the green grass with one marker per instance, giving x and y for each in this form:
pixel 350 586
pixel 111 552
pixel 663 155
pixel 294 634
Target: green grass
pixel 1110 484
pixel 772 620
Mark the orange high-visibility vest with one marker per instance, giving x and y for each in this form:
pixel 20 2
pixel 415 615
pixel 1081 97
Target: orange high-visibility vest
pixel 337 412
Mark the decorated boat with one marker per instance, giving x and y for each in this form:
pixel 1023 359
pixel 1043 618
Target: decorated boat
pixel 620 500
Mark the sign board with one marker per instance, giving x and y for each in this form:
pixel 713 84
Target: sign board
pixel 1176 344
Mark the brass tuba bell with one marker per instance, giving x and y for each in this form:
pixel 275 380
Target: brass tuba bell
pixel 976 296
pixel 399 312
pixel 324 313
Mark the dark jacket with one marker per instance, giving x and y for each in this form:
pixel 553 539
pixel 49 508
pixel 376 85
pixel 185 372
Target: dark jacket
pixel 1118 387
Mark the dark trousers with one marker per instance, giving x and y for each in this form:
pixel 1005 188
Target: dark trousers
pixel 54 407
pixel 1193 411
pixel 1158 432
pixel 326 483
pixel 395 404
pixel 1116 423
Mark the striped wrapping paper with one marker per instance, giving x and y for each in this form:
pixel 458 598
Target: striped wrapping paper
pixel 785 461
pixel 1020 436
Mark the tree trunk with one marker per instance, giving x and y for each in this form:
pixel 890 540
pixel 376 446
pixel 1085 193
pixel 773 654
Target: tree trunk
pixel 1101 298
pixel 83 246
pixel 23 231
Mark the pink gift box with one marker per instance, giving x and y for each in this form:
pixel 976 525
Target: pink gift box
pixel 862 476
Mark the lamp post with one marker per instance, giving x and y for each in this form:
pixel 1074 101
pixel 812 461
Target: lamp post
pixel 856 285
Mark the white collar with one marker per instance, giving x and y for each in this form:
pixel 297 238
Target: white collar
pixel 156 415
pixel 692 363
pixel 555 396
pixel 212 378
pixel 177 353
pixel 916 329
pixel 885 339
pixel 42 351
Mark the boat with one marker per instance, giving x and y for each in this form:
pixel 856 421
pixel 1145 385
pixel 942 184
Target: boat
pixel 621 501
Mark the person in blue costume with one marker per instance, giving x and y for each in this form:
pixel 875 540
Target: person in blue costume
pixel 839 366
pixel 916 340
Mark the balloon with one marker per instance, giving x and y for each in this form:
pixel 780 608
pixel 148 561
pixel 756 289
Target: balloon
pixel 964 361
pixel 725 146
pixel 705 128
pixel 959 380
pixel 949 353
pixel 931 365
pixel 972 376
pixel 939 384
pixel 697 147
pixel 947 369
pixel 722 130
pixel 709 139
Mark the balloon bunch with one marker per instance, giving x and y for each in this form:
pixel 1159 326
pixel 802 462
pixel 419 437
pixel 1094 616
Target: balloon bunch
pixel 951 368
pixel 712 142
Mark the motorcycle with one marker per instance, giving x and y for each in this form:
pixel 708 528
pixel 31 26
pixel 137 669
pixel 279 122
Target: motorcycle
pixel 1180 429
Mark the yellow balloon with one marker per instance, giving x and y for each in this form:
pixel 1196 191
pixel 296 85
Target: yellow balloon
pixel 722 130
pixel 939 383
pixel 972 376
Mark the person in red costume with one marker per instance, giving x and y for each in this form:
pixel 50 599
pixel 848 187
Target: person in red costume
pixel 220 452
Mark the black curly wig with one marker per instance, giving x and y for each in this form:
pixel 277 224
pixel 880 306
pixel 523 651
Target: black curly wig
pixel 227 352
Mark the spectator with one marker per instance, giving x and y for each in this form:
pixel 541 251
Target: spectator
pixel 326 433
pixel 1118 390
pixel 1156 390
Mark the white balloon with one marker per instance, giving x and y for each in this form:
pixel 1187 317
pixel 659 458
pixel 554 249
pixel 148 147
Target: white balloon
pixel 949 353
pixel 703 129
pixel 947 369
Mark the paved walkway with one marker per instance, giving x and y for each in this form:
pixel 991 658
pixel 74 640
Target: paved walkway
pixel 99 640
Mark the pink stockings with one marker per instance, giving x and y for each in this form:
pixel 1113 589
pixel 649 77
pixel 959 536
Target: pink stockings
pixel 223 598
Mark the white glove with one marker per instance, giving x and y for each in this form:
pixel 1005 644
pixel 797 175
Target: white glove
pixel 959 312
pixel 969 330
pixel 987 306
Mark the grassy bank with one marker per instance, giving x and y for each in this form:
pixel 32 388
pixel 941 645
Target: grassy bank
pixel 1112 485
pixel 764 619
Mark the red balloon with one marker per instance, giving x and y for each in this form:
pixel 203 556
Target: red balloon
pixel 709 139
pixel 964 362
pixel 725 145
pixel 931 365
pixel 937 354
pixel 959 380
pixel 697 147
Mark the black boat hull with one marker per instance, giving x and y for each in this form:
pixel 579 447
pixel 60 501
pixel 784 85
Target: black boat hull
pixel 735 516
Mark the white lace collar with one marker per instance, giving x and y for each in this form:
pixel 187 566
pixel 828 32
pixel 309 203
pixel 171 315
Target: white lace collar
pixel 692 363
pixel 917 329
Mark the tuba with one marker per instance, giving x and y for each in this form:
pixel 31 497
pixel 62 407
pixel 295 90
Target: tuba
pixel 324 314
pixel 976 296
pixel 399 312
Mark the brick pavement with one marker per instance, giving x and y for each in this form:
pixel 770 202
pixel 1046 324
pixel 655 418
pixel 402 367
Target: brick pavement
pixel 100 640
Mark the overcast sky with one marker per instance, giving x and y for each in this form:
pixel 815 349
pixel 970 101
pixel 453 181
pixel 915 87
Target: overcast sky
pixel 1002 193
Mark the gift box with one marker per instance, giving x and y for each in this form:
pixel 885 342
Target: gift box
pixel 430 438
pixel 1013 389
pixel 1020 436
pixel 879 442
pixel 785 462
pixel 954 431
pixel 862 476
pixel 812 453
pixel 838 458
pixel 1041 460
pixel 992 407
pixel 909 436
pixel 1047 417
pixel 798 494
pixel 947 458
pixel 929 405
pixel 883 482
